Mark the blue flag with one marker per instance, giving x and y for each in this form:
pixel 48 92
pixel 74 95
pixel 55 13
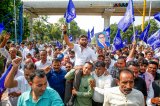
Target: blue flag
pixel 125 41
pixel 136 36
pixel 92 32
pixel 117 41
pixel 128 18
pixel 108 36
pixel 154 37
pixel 70 38
pixel 3 77
pixel 1 27
pixel 89 36
pixel 20 24
pixel 144 35
pixel 157 16
pixel 58 44
pixel 70 12
pixel 156 44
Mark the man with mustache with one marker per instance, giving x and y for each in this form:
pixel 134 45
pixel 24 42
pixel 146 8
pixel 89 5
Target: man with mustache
pixel 83 53
pixel 124 94
pixel 55 76
pixel 139 83
pixel 40 94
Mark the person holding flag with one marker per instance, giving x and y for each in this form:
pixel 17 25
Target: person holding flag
pixel 83 53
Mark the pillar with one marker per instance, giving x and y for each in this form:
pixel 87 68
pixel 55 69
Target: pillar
pixel 106 17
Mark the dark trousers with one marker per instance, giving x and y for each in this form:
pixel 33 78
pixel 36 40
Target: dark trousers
pixel 96 103
pixel 76 84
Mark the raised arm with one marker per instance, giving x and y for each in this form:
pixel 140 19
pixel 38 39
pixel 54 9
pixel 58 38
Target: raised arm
pixel 66 39
pixel 6 38
pixel 132 52
pixel 9 81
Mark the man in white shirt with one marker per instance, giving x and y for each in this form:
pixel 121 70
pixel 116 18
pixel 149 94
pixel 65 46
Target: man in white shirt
pixel 83 53
pixel 124 94
pixel 102 82
pixel 21 81
pixel 27 50
pixel 43 62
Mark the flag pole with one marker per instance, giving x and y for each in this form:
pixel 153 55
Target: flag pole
pixel 69 28
pixel 150 7
pixel 144 13
pixel 15 27
pixel 134 36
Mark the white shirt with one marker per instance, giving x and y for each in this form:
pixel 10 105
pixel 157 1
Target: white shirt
pixel 26 51
pixel 158 71
pixel 102 82
pixel 150 96
pixel 15 89
pixel 114 97
pixel 22 84
pixel 5 53
pixel 83 56
pixel 40 65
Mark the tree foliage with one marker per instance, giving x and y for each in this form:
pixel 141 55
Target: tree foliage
pixel 7 17
pixel 53 31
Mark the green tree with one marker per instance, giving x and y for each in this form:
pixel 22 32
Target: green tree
pixel 113 32
pixel 7 17
pixel 42 28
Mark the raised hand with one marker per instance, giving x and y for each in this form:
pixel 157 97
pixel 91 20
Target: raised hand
pixel 16 62
pixel 47 69
pixel 64 27
pixel 7 36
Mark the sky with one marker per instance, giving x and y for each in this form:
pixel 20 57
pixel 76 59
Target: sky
pixel 88 22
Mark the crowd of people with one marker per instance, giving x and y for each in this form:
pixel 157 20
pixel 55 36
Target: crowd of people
pixel 79 74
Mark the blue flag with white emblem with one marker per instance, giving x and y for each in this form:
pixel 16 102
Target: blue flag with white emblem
pixel 108 36
pixel 128 18
pixel 92 32
pixel 70 12
pixel 117 41
pixel 58 44
pixel 144 35
pixel 153 38
pixel 136 36
pixel 157 16
pixel 2 79
pixel 89 36
pixel 125 41
pixel 1 27
pixel 156 44
pixel 70 38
